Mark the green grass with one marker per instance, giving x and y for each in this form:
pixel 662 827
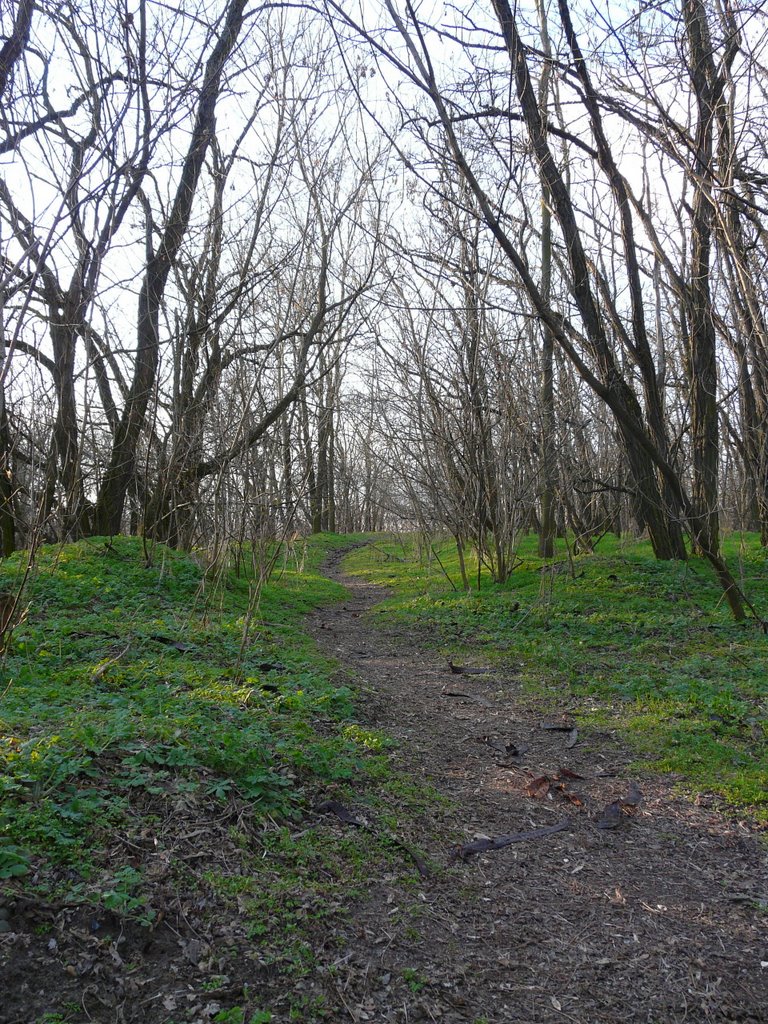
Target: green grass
pixel 100 713
pixel 643 646
pixel 166 727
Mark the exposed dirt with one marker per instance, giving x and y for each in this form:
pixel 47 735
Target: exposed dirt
pixel 662 918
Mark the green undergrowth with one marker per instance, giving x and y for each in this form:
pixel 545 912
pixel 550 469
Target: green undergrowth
pixel 129 693
pixel 643 646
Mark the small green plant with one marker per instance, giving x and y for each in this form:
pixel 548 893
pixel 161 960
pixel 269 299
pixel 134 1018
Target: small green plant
pixel 415 981
pixel 215 983
pixel 124 699
pixel 306 1008
pixel 14 861
pixel 121 896
pixel 236 1015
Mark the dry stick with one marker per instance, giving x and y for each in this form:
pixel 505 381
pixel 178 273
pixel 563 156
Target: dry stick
pixel 442 567
pixel 484 845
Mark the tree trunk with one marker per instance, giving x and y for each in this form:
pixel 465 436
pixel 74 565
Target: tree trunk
pixel 7 517
pixel 117 478
pixel 701 356
pixel 547 523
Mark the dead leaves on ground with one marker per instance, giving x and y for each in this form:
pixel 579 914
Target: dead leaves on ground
pixel 616 812
pixel 554 786
pixel 563 725
pixel 549 787
pixel 557 786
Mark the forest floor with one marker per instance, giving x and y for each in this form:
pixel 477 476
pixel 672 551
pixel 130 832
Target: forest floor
pixel 649 909
pixel 199 833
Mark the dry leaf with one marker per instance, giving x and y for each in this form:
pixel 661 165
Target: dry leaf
pixel 538 788
pixel 611 816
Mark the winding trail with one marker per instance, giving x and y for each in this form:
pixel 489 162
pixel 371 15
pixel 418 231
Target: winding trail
pixel 661 919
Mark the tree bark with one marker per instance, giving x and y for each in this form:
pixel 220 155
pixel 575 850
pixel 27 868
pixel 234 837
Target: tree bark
pixel 14 45
pixel 108 513
pixel 547 522
pixel 701 356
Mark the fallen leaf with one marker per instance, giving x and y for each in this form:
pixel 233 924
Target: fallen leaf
pixel 194 950
pixel 634 797
pixel 572 798
pixel 538 788
pixel 341 812
pixel 611 816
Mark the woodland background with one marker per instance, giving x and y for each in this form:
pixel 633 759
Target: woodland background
pixel 484 269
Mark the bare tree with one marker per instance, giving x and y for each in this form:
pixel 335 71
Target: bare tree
pixel 117 479
pixel 589 337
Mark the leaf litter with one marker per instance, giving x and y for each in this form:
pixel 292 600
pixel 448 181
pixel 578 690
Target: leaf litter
pixel 524 914
pixel 547 890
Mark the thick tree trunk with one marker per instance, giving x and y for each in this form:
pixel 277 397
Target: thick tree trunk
pixel 14 45
pixel 547 521
pixel 117 478
pixel 65 462
pixel 701 348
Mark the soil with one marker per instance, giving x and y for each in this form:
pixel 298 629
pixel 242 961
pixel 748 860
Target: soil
pixel 661 918
pixel 649 910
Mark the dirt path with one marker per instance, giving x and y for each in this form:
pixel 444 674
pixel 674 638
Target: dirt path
pixel 660 919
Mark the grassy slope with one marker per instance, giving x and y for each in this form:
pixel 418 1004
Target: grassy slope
pixel 108 730
pixel 646 646
pixel 133 771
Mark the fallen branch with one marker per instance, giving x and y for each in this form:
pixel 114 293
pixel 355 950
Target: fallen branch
pixel 102 667
pixel 341 812
pixel 484 845
pixel 466 670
